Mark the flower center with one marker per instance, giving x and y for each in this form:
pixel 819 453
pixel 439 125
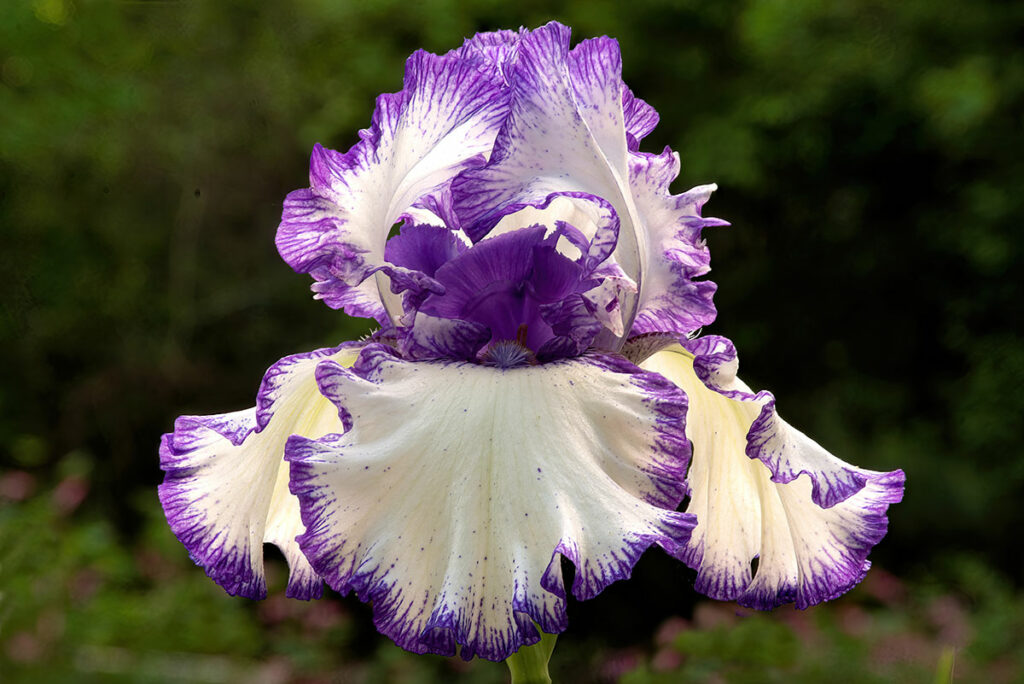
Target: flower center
pixel 529 297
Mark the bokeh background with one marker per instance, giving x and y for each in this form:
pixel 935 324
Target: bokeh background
pixel 870 158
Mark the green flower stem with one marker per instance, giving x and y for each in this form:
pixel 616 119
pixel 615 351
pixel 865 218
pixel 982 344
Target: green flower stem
pixel 529 665
pixel 944 672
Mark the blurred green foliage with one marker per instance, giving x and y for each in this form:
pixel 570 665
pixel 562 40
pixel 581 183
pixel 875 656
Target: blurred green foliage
pixel 869 156
pixel 961 618
pixel 78 605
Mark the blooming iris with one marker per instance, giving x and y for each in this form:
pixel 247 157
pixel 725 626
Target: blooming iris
pixel 535 390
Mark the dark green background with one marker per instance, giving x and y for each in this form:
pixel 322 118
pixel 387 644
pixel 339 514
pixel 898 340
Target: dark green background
pixel 869 156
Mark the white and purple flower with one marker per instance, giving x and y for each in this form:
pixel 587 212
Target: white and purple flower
pixel 534 392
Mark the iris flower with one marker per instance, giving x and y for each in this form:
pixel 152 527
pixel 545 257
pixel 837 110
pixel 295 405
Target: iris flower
pixel 535 390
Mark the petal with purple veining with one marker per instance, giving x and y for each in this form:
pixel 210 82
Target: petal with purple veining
pixel 225 492
pixel 806 552
pixel 449 501
pixel 571 129
pixel 443 121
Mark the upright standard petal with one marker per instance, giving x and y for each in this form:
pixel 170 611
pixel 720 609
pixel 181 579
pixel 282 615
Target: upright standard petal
pixel 671 300
pixel 442 121
pixel 492 51
pixel 450 501
pixel 557 137
pixel 763 490
pixel 572 128
pixel 640 118
pixel 225 493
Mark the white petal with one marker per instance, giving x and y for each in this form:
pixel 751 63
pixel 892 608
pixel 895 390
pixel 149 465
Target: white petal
pixel 584 216
pixel 226 489
pixel 449 501
pixel 806 553
pixel 443 121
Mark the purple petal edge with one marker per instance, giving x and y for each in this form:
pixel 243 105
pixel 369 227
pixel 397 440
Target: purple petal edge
pixel 833 574
pixel 276 375
pixel 670 405
pixel 671 299
pixel 712 352
pixel 840 575
pixel 227 566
